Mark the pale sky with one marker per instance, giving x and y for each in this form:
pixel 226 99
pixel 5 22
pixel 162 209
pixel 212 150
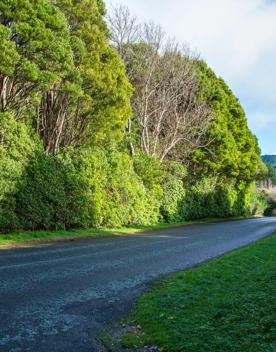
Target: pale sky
pixel 237 39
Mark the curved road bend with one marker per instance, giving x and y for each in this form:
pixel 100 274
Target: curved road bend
pixel 55 297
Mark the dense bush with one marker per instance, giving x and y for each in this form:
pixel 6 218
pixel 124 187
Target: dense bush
pixel 210 199
pixel 50 194
pixel 90 188
pixel 258 201
pixel 104 187
pixel 173 207
pixel 272 173
pixel 16 146
pixel 115 194
pixel 270 198
pixel 107 188
pixel 271 209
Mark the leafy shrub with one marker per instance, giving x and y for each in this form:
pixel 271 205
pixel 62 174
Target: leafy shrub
pixel 259 201
pixel 208 198
pixel 172 204
pixel 16 147
pixel 49 197
pixel 91 188
pixel 117 194
pixel 107 188
pixel 270 210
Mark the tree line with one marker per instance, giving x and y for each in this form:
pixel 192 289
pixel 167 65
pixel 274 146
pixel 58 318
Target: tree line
pixel 105 121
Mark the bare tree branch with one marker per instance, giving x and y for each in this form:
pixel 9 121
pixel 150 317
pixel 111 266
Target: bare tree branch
pixel 171 119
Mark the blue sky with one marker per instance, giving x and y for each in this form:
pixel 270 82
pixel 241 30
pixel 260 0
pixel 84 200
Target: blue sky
pixel 237 38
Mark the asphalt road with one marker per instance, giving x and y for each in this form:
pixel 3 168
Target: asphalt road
pixel 55 297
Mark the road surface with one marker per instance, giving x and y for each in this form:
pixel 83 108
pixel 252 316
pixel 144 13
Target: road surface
pixel 55 297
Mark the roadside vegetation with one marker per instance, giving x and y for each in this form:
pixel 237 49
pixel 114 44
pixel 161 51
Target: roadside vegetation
pixel 30 237
pixel 105 122
pixel 268 185
pixel 26 238
pixel 227 304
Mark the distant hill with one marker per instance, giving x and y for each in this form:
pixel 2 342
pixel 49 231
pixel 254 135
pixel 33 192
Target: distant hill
pixel 269 159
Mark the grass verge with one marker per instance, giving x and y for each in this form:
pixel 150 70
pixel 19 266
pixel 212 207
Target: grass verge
pixel 30 237
pixel 227 304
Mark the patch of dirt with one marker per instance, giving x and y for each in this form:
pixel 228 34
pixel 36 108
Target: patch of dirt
pixel 114 334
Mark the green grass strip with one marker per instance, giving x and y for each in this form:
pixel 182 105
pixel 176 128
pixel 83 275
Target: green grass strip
pixel 19 238
pixel 225 305
pixel 32 236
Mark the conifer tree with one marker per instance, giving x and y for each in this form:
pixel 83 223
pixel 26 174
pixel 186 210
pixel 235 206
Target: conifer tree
pixel 34 51
pixel 91 104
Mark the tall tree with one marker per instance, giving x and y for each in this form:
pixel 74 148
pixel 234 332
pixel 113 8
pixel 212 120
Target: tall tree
pixel 233 151
pixel 171 119
pixel 92 103
pixel 34 51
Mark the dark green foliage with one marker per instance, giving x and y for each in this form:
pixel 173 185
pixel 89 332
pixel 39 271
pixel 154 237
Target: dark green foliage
pixel 269 159
pixel 226 305
pixel 271 209
pixel 272 173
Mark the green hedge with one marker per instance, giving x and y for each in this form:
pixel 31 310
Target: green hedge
pixel 107 188
pixel 95 188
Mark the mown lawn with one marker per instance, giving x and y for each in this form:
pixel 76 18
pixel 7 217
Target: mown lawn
pixel 228 304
